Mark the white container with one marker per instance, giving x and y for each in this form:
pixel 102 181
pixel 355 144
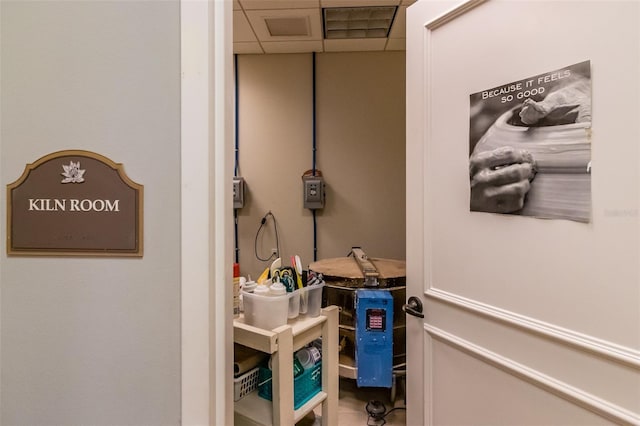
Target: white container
pixel 311 300
pixel 308 357
pixel 267 312
pixel 294 304
pixel 245 384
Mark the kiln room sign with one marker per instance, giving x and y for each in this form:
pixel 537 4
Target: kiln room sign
pixel 74 203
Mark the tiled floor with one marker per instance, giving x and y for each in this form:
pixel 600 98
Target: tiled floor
pixel 352 403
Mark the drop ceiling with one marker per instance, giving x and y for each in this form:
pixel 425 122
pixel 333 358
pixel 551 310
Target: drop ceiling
pixel 296 26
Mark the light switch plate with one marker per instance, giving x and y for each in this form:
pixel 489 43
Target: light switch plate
pixel 238 192
pixel 313 192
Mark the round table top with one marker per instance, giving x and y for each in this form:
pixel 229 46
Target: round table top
pixel 347 267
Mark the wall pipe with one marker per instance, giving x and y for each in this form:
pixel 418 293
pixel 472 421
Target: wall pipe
pixel 237 157
pixel 237 123
pixel 313 150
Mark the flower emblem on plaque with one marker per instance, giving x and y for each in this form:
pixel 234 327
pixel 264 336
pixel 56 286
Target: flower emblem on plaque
pixel 72 173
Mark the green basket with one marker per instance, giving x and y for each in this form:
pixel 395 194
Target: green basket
pixel 305 386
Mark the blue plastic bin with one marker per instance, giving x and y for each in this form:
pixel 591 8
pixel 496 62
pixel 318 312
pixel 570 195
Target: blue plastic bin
pixel 305 386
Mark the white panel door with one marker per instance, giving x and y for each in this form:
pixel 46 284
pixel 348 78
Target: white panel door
pixel 527 320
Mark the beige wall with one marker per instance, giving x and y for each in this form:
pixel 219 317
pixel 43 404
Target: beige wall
pixel 360 132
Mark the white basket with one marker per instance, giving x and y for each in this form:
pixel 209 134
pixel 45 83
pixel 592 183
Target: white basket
pixel 245 384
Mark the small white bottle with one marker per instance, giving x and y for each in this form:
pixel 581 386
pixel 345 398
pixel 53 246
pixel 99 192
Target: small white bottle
pixel 261 290
pixel 250 286
pixel 277 289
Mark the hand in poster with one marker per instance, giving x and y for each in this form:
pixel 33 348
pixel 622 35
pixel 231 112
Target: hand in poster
pixel 500 179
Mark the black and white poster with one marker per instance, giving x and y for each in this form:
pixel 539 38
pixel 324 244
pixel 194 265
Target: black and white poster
pixel 530 146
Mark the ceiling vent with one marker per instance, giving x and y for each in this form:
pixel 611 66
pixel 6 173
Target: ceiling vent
pixel 288 27
pixel 358 22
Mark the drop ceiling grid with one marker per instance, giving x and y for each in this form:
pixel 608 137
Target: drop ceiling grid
pixel 251 34
pixel 242 30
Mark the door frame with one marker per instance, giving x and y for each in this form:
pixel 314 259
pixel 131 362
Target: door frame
pixel 206 218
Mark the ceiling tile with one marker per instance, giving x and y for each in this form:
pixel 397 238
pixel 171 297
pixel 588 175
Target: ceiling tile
pixel 355 44
pixel 399 28
pixel 242 30
pixel 292 46
pixel 247 48
pixel 279 4
pixel 312 16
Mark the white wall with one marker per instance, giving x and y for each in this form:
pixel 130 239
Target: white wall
pixel 360 137
pixel 93 340
pixel 541 324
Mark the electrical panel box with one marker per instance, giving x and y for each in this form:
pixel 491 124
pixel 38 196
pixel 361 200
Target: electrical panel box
pixel 238 192
pixel 313 192
pixel 374 338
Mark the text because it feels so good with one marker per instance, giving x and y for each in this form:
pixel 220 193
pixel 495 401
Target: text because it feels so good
pixel 524 89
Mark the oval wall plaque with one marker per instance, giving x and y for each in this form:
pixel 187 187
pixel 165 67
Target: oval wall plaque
pixel 74 203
